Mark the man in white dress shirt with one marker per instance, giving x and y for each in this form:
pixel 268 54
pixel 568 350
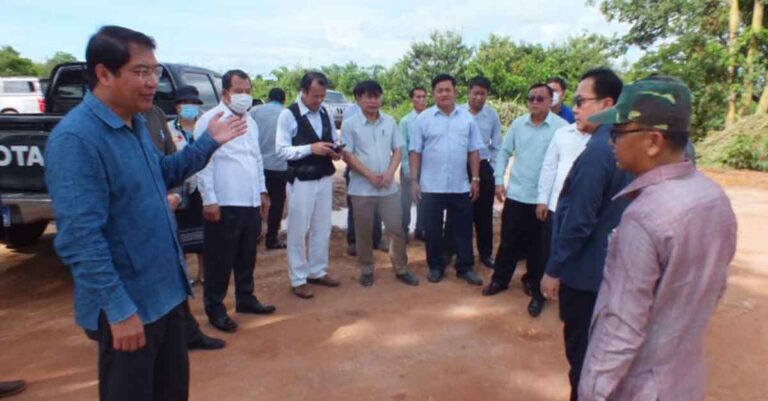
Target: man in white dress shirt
pixel 306 138
pixel 234 202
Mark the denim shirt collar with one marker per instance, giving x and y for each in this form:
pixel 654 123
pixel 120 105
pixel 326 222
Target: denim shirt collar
pixel 105 114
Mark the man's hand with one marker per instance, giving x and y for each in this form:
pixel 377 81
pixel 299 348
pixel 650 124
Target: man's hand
pixel 376 179
pixel 174 200
pixel 415 191
pixel 212 213
pixel 500 193
pixel 322 148
pixel 474 190
pixel 386 180
pixel 264 206
pixel 541 211
pixel 228 129
pixel 128 335
pixel 550 287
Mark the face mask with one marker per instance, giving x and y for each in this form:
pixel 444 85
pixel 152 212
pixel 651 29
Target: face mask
pixel 189 111
pixel 240 103
pixel 555 98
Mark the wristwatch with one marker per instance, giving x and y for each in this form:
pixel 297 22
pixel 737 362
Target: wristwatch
pixel 475 179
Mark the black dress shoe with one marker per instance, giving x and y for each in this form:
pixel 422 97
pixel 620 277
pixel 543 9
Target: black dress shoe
pixel 366 279
pixel 255 307
pixel 12 387
pixel 488 262
pixel 223 323
pixel 408 278
pixel 434 276
pixel 535 306
pixel 206 343
pixel 471 277
pixel 276 245
pixel 494 288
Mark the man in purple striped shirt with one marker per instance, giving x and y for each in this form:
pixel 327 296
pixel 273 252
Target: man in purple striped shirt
pixel 667 260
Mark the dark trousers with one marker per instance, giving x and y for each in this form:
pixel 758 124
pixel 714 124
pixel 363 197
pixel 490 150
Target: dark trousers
pixel 459 210
pixel 157 372
pixel 521 237
pixel 276 181
pixel 483 211
pixel 191 327
pixel 351 221
pixel 576 308
pixel 405 202
pixel 230 245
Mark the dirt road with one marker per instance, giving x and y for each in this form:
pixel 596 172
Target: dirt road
pixel 388 342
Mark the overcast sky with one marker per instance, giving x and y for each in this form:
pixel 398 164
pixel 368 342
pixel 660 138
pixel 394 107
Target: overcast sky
pixel 259 36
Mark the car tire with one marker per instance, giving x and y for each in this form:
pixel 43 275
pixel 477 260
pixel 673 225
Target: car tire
pixel 9 111
pixel 18 235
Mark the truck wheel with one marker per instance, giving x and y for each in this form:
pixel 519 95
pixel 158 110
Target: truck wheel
pixel 9 111
pixel 24 234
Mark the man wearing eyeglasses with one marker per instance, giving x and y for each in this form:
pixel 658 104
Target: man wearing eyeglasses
pixel 528 138
pixel 116 232
pixel 667 261
pixel 584 218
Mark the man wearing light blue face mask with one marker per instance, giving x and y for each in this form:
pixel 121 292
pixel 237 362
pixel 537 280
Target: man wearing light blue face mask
pixel 235 201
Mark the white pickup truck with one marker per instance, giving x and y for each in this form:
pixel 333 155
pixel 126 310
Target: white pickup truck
pixel 21 95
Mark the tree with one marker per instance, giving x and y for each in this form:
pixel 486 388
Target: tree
pixel 13 65
pixel 58 58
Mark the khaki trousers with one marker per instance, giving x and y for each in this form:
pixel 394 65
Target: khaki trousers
pixel 390 211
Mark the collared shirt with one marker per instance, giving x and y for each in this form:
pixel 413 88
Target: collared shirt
pixel 490 131
pixel 566 114
pixel 182 139
pixel 287 128
pixel 586 214
pixel 235 174
pixel 567 144
pixel 372 143
pixel 444 142
pixel 407 129
pixel 665 273
pixel 116 232
pixel 266 117
pixel 528 143
pixel 350 112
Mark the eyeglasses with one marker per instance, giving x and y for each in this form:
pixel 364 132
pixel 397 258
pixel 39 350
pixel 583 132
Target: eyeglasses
pixel 616 134
pixel 579 100
pixel 145 72
pixel 537 99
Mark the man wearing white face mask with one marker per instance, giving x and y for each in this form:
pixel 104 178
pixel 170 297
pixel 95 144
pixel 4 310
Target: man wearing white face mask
pixel 558 87
pixel 234 202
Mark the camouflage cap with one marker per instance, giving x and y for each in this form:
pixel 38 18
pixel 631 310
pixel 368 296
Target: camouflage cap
pixel 658 101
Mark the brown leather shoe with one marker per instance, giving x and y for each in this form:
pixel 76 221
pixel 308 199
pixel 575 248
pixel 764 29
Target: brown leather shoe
pixel 326 281
pixel 303 291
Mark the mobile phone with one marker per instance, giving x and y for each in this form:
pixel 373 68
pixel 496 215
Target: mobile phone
pixel 338 148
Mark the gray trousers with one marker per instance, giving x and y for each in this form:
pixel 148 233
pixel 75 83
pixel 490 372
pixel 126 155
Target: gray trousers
pixel 390 211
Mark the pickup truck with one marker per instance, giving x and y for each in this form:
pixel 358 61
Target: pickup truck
pixel 24 202
pixel 21 95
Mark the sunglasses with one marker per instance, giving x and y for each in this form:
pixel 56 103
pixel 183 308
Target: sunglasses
pixel 616 134
pixel 537 99
pixel 579 100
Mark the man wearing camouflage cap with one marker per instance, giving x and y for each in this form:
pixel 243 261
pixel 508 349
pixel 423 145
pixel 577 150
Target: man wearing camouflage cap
pixel 667 260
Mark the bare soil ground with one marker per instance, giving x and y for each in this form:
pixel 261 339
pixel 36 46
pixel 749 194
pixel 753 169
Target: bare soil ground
pixel 388 342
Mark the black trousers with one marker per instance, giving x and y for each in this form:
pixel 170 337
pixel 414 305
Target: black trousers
pixel 576 307
pixel 459 211
pixel 191 327
pixel 157 372
pixel 483 211
pixel 521 237
pixel 351 220
pixel 276 181
pixel 230 245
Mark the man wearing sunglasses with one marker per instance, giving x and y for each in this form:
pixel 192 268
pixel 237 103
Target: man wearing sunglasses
pixel 668 258
pixel 584 218
pixel 521 232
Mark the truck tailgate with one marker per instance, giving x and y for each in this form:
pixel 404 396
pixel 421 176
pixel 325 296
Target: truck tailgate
pixel 22 141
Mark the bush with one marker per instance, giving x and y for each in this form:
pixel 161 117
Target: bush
pixel 743 146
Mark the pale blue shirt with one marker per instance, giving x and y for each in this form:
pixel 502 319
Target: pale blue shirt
pixel 490 131
pixel 444 142
pixel 266 119
pixel 528 143
pixel 287 128
pixel 407 127
pixel 372 143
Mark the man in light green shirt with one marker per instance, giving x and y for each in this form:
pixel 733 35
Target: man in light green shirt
pixel 418 97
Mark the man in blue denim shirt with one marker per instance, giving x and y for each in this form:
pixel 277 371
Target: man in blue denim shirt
pixel 108 185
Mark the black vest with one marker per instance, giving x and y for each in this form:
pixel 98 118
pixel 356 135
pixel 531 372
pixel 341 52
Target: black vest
pixel 312 167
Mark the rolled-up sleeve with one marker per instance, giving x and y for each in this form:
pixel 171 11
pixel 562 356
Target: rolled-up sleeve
pixel 620 327
pixel 79 191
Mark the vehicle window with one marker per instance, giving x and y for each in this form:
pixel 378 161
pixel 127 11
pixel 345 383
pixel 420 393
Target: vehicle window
pixel 18 87
pixel 334 97
pixel 204 87
pixel 71 84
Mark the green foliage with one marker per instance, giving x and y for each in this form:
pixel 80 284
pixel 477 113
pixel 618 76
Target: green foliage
pixel 744 145
pixel 58 58
pixel 13 65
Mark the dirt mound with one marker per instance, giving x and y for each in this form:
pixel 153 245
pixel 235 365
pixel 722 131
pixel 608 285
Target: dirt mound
pixel 743 146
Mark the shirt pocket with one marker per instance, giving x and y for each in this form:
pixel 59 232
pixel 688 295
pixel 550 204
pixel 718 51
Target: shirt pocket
pixel 460 135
